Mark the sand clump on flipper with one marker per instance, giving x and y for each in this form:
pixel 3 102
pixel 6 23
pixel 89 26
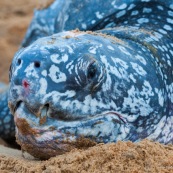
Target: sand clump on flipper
pixel 126 157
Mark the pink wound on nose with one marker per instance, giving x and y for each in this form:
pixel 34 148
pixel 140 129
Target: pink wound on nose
pixel 25 84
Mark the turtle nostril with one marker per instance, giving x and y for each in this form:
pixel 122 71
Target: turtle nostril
pixel 46 105
pixel 37 64
pixel 17 106
pixel 45 110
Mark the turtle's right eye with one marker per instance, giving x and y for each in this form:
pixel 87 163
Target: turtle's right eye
pixel 92 70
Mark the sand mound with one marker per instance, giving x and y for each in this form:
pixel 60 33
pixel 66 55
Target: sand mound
pixel 126 157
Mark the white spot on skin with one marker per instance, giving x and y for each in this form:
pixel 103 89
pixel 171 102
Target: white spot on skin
pixel 92 50
pixel 171 52
pixel 121 13
pixel 138 69
pixel 56 75
pixel 169 20
pixel 44 73
pixel 123 6
pixel 160 98
pixel 121 62
pixel 43 86
pixel 171 6
pixel 55 95
pixel 165 48
pixel 30 71
pixel 143 20
pixel 131 6
pixel 134 13
pixel 147 90
pixel 170 13
pixel 124 50
pixel 110 47
pixel 132 78
pixel 65 58
pixel 158 35
pixel 57 59
pixel 93 21
pixel 99 15
pixel 69 66
pixel 147 10
pixel 167 27
pixel 70 49
pixel 162 31
pixel 84 26
pixel 160 7
pixel 141 59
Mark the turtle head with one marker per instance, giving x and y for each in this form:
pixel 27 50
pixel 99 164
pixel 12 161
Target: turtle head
pixel 56 94
pixel 72 87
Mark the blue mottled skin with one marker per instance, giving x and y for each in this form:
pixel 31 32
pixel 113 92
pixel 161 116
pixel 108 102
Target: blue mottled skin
pixel 108 85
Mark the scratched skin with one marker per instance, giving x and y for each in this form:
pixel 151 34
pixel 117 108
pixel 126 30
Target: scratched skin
pixel 100 87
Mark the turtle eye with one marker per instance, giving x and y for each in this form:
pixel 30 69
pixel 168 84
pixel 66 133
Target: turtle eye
pixel 92 70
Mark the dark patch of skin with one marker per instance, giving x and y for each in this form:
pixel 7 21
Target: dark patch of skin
pixel 55 147
pixel 24 127
pixel 43 120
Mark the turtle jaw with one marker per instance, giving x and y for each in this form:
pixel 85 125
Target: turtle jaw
pixel 55 137
pixel 43 141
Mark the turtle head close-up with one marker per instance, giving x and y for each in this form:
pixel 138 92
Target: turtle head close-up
pixel 73 90
pixel 56 94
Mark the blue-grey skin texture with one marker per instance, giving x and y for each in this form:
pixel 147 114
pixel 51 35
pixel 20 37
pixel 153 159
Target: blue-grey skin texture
pixel 102 87
pixel 7 128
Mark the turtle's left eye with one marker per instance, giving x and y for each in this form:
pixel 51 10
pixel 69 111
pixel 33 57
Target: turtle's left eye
pixel 92 70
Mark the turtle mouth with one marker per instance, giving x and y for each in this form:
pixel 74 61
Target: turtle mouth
pixel 46 112
pixel 44 137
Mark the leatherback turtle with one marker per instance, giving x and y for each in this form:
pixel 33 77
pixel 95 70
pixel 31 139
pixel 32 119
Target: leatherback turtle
pixel 77 87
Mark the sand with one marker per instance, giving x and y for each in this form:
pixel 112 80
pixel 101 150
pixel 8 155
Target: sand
pixel 125 157
pixel 143 157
